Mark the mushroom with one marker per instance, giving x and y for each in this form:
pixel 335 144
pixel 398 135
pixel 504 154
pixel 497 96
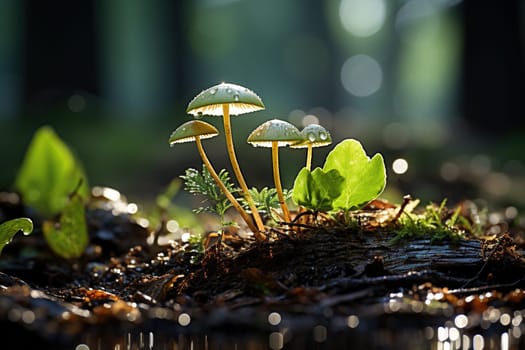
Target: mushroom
pixel 314 135
pixel 276 133
pixel 196 130
pixel 225 99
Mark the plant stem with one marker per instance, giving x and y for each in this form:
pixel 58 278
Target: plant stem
pixel 223 188
pixel 277 181
pixel 237 171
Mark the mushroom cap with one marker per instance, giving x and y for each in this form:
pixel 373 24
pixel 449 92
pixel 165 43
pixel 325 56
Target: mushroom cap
pixel 315 135
pixel 188 131
pixel 210 101
pixel 274 130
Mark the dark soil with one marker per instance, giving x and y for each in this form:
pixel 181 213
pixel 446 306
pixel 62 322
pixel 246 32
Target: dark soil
pixel 313 277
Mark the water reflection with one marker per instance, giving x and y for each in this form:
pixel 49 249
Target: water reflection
pixel 492 329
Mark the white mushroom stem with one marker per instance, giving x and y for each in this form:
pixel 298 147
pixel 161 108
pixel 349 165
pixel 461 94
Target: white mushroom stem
pixel 237 171
pixel 223 188
pixel 277 181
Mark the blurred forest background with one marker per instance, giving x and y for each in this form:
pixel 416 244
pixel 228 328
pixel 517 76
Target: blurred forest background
pixel 436 86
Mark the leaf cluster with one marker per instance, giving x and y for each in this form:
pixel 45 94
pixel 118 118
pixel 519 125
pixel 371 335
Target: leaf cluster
pixel 436 221
pixel 202 183
pixel 266 200
pixel 348 180
pixel 52 182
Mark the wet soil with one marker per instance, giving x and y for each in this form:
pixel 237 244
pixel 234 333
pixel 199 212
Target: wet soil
pixel 331 276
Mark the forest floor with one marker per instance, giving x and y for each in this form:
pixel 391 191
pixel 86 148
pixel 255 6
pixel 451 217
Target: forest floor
pixel 341 277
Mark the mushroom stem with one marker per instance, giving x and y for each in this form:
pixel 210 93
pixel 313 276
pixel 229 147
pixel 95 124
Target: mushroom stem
pixel 223 188
pixel 277 181
pixel 238 174
pixel 309 156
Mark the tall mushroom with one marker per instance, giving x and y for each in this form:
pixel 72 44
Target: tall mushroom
pixel 196 130
pixel 314 135
pixel 276 133
pixel 227 99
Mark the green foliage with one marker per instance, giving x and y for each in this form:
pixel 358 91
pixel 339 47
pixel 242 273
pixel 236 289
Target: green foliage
pixel 49 174
pixel 365 178
pixel 202 183
pixel 266 199
pixel 53 182
pixel 348 180
pixel 195 246
pixel 317 189
pixel 165 198
pixel 68 237
pixel 9 228
pixel 435 221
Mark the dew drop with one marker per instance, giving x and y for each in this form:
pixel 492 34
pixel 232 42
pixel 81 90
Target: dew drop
pixel 323 136
pixel 184 129
pixel 229 90
pixel 213 91
pixel 311 136
pixel 236 97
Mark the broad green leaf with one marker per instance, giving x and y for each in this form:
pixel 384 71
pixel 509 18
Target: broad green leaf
pixel 318 189
pixel 68 237
pixel 365 178
pixel 49 174
pixel 9 228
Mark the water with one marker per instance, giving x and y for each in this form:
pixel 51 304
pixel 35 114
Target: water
pixel 495 329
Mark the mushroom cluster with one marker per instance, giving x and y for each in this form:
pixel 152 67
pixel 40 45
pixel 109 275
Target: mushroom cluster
pixel 228 99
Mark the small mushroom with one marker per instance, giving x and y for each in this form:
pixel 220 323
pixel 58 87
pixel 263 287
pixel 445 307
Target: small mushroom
pixel 276 133
pixel 314 135
pixel 196 130
pixel 227 99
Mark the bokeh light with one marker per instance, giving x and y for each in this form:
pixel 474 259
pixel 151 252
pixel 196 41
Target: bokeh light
pixel 361 75
pixel 362 18
pixel 400 166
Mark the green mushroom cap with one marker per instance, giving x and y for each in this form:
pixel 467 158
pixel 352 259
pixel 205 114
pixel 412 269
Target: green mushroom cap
pixel 315 135
pixel 274 130
pixel 188 131
pixel 240 99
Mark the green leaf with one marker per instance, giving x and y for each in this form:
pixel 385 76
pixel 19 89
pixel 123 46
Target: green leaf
pixel 165 198
pixel 318 189
pixel 68 237
pixel 365 178
pixel 49 174
pixel 9 228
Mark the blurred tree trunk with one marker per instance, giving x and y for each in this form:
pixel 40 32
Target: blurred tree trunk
pixel 494 65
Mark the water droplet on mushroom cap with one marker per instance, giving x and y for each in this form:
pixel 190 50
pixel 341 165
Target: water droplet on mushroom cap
pixel 274 130
pixel 322 135
pixel 211 100
pixel 311 136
